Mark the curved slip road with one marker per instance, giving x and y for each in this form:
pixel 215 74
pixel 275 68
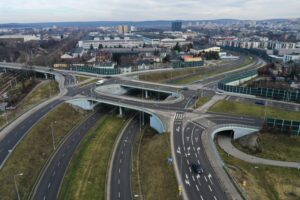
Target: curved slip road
pixel 226 145
pixel 49 184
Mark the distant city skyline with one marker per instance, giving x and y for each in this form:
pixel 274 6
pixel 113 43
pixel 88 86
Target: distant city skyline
pixel 31 11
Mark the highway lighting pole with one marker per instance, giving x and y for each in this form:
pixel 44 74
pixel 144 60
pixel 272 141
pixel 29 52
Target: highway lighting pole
pixel 52 133
pixel 16 186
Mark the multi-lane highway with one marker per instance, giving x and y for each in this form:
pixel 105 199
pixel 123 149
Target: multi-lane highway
pixel 188 151
pixel 52 177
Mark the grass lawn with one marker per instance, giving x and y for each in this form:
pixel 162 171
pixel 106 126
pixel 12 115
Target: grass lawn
pixel 86 174
pixel 253 110
pixel 276 147
pixel 81 78
pixel 208 73
pixel 157 177
pixel 201 101
pixel 189 75
pixel 264 182
pixel 40 94
pixel 35 149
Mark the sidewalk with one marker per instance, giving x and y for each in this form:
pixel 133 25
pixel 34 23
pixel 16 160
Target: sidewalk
pixel 226 145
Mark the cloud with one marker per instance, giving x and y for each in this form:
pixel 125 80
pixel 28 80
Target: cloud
pixel 137 10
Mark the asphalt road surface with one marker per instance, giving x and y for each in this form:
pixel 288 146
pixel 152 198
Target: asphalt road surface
pixel 120 185
pixel 189 150
pixel 51 180
pixel 10 141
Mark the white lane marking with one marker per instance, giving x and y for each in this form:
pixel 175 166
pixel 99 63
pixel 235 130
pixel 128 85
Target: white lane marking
pixel 120 160
pixel 186 176
pixel 190 169
pixel 197 188
pixel 119 181
pixel 44 198
pixel 215 198
pixel 193 178
pixel 178 150
pixel 205 178
pixel 210 188
pixel 49 184
pixel 196 155
pixel 119 170
pixel 209 177
pixel 187 182
pixel 53 173
pixel 119 195
pixel 122 152
pixel 188 162
pixel 201 197
pixel 198 161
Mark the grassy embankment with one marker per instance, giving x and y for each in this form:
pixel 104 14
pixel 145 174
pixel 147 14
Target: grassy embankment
pixel 152 176
pixel 35 149
pixel 253 110
pixel 86 174
pixel 276 147
pixel 264 182
pixel 189 75
pixel 201 101
pixel 41 93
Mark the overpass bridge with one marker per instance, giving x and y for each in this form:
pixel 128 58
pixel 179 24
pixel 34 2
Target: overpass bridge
pixel 157 121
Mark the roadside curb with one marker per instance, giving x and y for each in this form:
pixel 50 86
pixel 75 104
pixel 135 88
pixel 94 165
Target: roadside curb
pixel 52 156
pixel 177 173
pixel 116 145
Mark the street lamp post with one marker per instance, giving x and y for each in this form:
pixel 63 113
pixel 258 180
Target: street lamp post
pixel 52 133
pixel 16 186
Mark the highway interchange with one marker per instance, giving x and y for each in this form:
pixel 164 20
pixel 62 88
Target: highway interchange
pixel 188 147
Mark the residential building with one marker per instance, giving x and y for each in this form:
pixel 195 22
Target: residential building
pixel 293 57
pixel 122 29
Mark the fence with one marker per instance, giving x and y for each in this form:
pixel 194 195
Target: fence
pixel 279 94
pixel 287 126
pixel 187 64
pixel 94 70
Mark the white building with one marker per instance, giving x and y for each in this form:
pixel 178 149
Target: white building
pixel 25 38
pixel 288 58
pixel 111 42
pixel 172 42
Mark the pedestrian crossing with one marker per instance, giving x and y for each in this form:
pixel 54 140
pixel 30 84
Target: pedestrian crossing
pixel 179 116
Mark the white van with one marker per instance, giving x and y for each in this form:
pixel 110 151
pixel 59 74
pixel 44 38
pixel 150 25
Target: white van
pixel 100 82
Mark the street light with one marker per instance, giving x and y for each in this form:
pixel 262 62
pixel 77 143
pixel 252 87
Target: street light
pixel 16 186
pixel 52 133
pixel 139 196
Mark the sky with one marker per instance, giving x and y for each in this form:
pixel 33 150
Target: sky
pixel 24 11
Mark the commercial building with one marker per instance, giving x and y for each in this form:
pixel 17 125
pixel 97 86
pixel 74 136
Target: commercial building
pixel 122 29
pixel 169 43
pixel 110 42
pixel 23 38
pixel 289 58
pixel 176 26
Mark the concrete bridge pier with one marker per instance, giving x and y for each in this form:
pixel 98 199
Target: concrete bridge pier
pixel 120 111
pixel 146 94
pixel 46 76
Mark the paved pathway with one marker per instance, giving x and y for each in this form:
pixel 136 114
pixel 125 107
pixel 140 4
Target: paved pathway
pixel 226 145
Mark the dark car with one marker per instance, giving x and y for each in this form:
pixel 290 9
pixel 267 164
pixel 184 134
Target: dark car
pixel 197 169
pixel 185 88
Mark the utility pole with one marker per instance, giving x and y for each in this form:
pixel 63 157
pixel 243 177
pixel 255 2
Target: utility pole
pixel 16 185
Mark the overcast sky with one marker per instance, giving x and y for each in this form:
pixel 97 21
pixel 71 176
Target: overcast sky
pixel 137 10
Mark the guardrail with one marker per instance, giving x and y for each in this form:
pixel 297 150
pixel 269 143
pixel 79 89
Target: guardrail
pixel 94 70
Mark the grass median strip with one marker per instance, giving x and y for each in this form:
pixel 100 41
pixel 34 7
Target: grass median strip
pixel 86 174
pixel 264 182
pixel 253 110
pixel 157 177
pixel 201 101
pixel 35 149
